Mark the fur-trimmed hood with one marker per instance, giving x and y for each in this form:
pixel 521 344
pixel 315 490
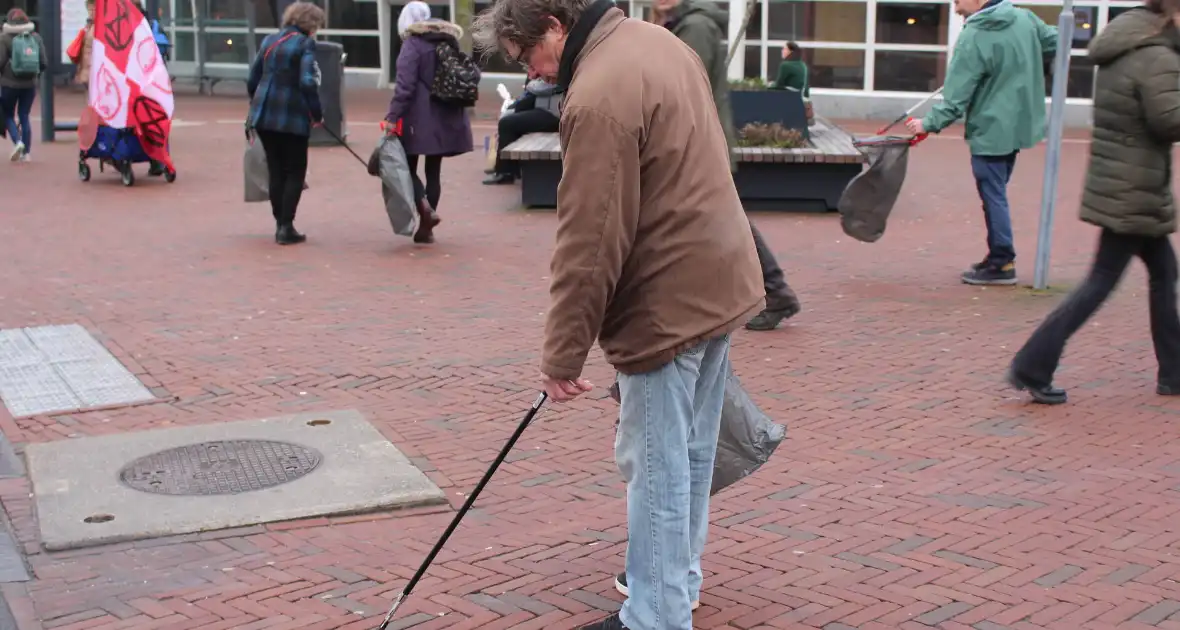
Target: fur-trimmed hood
pixel 434 26
pixel 19 29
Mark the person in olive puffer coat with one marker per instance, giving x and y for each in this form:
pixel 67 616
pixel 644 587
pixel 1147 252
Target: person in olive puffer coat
pixel 1128 193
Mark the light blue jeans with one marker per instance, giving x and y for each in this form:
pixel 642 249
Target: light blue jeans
pixel 665 446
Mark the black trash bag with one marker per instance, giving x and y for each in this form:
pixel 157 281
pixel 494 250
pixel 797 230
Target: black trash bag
pixel 869 198
pixel 389 162
pixel 747 438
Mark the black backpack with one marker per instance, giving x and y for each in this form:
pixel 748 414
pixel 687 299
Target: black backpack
pixel 456 79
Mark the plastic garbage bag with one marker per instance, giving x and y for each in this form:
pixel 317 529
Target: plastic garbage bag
pixel 869 198
pixel 257 174
pixel 397 187
pixel 747 439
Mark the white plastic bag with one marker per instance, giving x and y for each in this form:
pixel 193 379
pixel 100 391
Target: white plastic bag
pixel 397 186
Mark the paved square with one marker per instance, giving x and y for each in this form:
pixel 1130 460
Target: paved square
pixel 82 499
pixel 51 369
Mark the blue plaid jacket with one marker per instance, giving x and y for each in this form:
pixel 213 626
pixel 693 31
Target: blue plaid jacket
pixel 284 84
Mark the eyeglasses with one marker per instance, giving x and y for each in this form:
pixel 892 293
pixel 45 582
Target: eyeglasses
pixel 522 59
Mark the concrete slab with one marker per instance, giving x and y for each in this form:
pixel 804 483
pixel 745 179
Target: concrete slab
pixel 82 501
pixel 54 369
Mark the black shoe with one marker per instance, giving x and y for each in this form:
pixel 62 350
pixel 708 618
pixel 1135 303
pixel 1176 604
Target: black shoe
pixel 1043 394
pixel 499 179
pixel 610 623
pixel 156 169
pixel 1163 389
pixel 288 236
pixel 770 319
pixel 621 587
pixel 979 265
pixel 991 275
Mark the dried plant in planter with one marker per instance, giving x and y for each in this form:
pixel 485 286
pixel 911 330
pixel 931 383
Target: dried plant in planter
pixel 772 136
pixel 748 85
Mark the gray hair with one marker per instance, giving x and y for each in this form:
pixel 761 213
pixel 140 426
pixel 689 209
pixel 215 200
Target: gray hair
pixel 523 22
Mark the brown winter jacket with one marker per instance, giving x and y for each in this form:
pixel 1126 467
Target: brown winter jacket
pixel 654 253
pixel 1136 120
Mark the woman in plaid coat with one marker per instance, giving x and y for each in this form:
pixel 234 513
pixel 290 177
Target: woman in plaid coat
pixel 284 104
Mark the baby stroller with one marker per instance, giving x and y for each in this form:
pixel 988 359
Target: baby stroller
pixel 119 148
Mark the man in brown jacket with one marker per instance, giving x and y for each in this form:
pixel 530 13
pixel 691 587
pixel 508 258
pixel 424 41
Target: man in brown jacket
pixel 654 257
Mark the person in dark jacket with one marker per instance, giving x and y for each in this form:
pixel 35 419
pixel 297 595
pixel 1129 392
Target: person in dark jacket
pixel 792 72
pixel 702 25
pixel 537 111
pixel 428 128
pixel 18 91
pixel 284 104
pixel 1128 193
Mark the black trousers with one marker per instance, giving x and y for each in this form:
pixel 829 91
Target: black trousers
pixel 432 189
pixel 286 161
pixel 515 126
pixel 779 295
pixel 1038 359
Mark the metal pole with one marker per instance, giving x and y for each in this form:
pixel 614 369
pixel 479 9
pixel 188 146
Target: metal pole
pixel 1065 26
pixel 51 37
pixel 251 31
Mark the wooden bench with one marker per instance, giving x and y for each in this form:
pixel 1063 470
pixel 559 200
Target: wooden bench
pixel 807 179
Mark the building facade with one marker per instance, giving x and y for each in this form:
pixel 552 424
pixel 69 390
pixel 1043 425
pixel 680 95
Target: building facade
pixel 868 58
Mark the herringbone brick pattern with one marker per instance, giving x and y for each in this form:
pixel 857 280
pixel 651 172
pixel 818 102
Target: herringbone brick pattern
pixel 914 490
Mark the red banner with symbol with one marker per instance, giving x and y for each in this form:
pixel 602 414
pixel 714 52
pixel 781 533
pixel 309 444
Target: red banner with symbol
pixel 129 83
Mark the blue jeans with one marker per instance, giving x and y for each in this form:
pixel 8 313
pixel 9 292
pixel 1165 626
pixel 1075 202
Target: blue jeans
pixel 16 103
pixel 992 173
pixel 665 446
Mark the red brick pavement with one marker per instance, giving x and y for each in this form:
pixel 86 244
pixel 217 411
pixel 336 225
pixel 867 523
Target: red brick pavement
pixel 914 490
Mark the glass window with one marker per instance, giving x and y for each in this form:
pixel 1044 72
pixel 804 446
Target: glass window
pixel 753 68
pixel 226 48
pixel 1085 25
pixel 908 71
pixel 364 51
pixel 815 21
pixel 916 23
pixel 754 28
pixel 183 48
pixel 835 68
pixel 1117 11
pixel 1081 78
pixel 356 15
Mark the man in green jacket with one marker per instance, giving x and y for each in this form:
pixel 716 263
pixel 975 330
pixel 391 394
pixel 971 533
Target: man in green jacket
pixel 702 26
pixel 997 83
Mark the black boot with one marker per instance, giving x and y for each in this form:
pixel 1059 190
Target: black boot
pixel 1043 393
pixel 775 312
pixel 499 179
pixel 288 236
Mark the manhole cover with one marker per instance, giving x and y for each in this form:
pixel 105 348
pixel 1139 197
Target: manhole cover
pixel 230 467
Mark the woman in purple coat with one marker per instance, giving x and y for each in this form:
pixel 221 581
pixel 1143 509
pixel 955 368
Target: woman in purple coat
pixel 428 128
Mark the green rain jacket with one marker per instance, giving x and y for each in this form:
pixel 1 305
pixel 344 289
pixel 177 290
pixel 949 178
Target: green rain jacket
pixel 996 80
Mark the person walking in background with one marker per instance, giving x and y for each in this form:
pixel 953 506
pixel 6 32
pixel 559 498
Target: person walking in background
pixel 22 60
pixel 702 26
pixel 78 51
pixel 537 111
pixel 284 104
pixel 1128 194
pixel 654 259
pixel 429 129
pixel 996 80
pixel 792 72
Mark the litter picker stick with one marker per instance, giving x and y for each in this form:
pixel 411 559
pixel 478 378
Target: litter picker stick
pixel 345 145
pixel 907 113
pixel 487 476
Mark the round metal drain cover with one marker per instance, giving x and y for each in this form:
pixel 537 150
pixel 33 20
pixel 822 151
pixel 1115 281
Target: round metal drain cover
pixel 229 467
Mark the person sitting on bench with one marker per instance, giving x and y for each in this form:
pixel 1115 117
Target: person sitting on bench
pixel 537 111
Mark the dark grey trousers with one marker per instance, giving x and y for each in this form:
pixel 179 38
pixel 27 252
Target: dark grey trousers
pixel 779 295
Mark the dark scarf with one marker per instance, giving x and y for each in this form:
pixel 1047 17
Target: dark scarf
pixel 576 40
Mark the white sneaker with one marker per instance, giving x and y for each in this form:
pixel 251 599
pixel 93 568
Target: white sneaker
pixel 25 157
pixel 17 152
